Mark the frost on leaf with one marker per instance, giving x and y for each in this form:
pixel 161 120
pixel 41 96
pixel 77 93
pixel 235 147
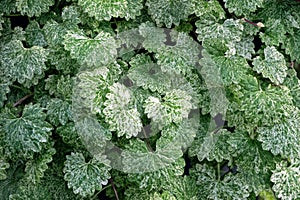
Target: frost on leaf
pixel 36 168
pixel 243 7
pixel 166 12
pixel 173 107
pixel 3 165
pixel 211 9
pixel 157 179
pixel 85 177
pixel 27 134
pixel 58 112
pixel 4 89
pixel 60 86
pixel 230 30
pixel 275 33
pixel 279 19
pixel 153 37
pixel 22 64
pixel 282 138
pixel 54 32
pixel 243 48
pixel 253 163
pixel 262 104
pixel 286 180
pixel 293 83
pixel 180 58
pixel 96 52
pixel 213 146
pixel 178 136
pixel 106 9
pixel 34 35
pixel 231 69
pixel 292 44
pixel 212 187
pixel 33 8
pixel 119 112
pixel 272 67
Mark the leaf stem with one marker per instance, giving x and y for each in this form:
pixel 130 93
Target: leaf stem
pixel 114 188
pixel 20 101
pixel 147 140
pixel 95 196
pixel 219 172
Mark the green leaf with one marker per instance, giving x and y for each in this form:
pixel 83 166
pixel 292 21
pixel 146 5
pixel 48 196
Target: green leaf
pixel 286 179
pixel 180 58
pixel 244 7
pixel 137 194
pixel 173 107
pixel 8 6
pixel 27 134
pixel 230 30
pixel 293 83
pixel 85 177
pixel 60 86
pixel 275 32
pixel 69 135
pixel 213 146
pixel 4 89
pixel 273 66
pixel 36 168
pixel 138 159
pixel 232 69
pixel 211 9
pixel 279 19
pixel 184 188
pixel 3 165
pixel 166 12
pixel 261 103
pixel 253 163
pixel 51 187
pixel 62 61
pixel 119 114
pixel 71 14
pixel 55 32
pixel 58 112
pixel 33 8
pixel 153 38
pixel 91 87
pixel 23 64
pixel 34 35
pixel 282 138
pixel 214 188
pixel 178 136
pixel 157 179
pixel 291 45
pixel 243 48
pixel 106 9
pixel 91 52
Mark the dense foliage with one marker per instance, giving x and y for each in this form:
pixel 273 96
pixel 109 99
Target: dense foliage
pixel 149 99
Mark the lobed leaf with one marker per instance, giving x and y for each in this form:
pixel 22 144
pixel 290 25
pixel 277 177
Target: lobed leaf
pixel 286 180
pixel 106 9
pixel 27 134
pixel 119 114
pixel 243 7
pixel 98 51
pixel 272 67
pixel 23 64
pixel 166 12
pixel 85 177
pixel 33 8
